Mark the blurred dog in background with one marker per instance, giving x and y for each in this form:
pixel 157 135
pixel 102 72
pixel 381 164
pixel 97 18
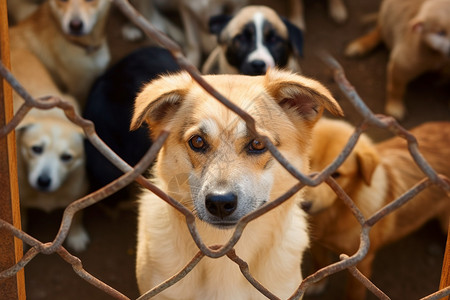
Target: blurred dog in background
pixel 68 37
pixel 253 41
pixel 373 176
pixel 417 34
pixel 50 152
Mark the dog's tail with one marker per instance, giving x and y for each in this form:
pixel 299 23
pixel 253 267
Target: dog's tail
pixel 364 44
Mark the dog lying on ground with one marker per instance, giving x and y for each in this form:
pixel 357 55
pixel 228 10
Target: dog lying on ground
pixel 251 42
pixel 417 34
pixel 220 171
pixel 69 38
pixel 50 153
pixel 110 107
pixel 373 176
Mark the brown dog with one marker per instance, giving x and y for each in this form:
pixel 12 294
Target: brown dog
pixel 417 33
pixel 68 37
pixel 373 176
pixel 220 171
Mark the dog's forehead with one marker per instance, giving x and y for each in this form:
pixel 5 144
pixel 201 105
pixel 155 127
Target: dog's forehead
pixel 257 16
pixel 54 135
pixel 250 95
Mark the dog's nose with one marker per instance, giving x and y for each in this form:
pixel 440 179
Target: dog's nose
pixel 44 181
pixel 221 205
pixel 259 66
pixel 76 26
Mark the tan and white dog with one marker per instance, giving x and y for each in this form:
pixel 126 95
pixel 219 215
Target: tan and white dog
pixel 219 170
pixel 373 176
pixel 50 150
pixel 417 32
pixel 252 41
pixel 68 37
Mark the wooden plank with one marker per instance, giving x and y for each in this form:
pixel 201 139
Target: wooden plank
pixel 445 276
pixel 10 247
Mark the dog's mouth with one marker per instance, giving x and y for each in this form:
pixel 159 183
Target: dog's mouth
pixel 223 224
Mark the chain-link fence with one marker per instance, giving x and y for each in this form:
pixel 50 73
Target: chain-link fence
pixel 134 174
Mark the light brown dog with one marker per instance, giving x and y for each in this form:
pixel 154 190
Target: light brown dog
pixel 220 171
pixel 68 37
pixel 50 151
pixel 417 34
pixel 373 176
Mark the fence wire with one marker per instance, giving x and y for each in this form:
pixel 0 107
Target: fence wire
pixel 215 251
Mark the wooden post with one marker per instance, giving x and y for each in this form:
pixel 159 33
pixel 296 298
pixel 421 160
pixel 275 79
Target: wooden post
pixel 10 247
pixel 445 276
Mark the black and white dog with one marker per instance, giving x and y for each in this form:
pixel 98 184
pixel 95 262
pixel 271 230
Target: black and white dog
pixel 252 41
pixel 110 107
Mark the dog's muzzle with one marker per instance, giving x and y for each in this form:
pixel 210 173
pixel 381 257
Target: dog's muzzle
pixel 44 182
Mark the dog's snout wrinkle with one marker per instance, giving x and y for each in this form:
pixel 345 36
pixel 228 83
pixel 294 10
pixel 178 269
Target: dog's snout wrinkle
pixel 221 205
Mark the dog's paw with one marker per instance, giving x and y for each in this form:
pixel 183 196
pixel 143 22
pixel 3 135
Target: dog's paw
pixel 354 49
pixel 395 109
pixel 78 239
pixel 338 11
pixel 132 33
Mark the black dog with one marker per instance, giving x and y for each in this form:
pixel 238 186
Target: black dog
pixel 110 107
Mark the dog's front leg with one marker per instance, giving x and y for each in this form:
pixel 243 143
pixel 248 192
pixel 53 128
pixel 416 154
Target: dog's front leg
pixel 399 74
pixel 77 238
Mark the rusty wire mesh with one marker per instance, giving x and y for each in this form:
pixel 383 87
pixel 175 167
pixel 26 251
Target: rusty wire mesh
pixel 130 174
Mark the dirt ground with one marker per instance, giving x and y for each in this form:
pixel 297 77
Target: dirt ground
pixel 408 269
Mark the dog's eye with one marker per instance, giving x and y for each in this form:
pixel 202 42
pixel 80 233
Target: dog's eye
pixel 66 157
pixel 198 144
pixel 271 37
pixel 336 175
pixel 442 32
pixel 37 149
pixel 256 147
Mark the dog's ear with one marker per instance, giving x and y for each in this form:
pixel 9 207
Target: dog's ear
pixel 367 157
pixel 159 100
pixel 295 37
pixel 218 23
pixel 416 25
pixel 300 95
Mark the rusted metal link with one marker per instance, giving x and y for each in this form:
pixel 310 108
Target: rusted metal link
pixel 445 292
pixel 78 268
pixel 365 281
pixel 174 279
pixel 130 174
pixel 243 266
